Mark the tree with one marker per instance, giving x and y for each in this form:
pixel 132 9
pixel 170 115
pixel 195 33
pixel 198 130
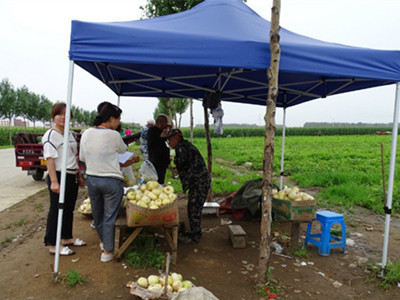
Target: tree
pixel 8 102
pixel 268 166
pixel 92 116
pixel 156 8
pixel 77 112
pixel 172 107
pixel 33 108
pixel 23 98
pixel 181 105
pixel 45 109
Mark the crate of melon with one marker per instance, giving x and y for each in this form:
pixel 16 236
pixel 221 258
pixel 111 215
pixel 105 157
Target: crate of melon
pixel 290 204
pixel 152 204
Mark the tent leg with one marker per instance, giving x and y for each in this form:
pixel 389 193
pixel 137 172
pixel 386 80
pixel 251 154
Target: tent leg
pixel 388 207
pixel 63 170
pixel 283 146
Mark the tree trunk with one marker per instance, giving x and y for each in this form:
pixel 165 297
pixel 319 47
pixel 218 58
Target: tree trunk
pixel 169 108
pixel 268 169
pixel 9 130
pixel 191 120
pixel 180 120
pixel 176 121
pixel 209 150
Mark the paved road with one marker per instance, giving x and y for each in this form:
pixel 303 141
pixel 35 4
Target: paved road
pixel 15 184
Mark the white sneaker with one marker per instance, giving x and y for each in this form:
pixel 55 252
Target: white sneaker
pixel 105 257
pixel 101 246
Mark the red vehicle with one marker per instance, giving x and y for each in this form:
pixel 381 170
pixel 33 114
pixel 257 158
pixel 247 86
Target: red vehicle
pixel 29 153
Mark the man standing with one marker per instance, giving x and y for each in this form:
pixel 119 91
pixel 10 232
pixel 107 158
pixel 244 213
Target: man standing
pixel 194 177
pixel 158 149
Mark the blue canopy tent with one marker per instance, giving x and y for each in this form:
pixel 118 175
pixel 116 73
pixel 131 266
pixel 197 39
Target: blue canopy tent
pixel 222 46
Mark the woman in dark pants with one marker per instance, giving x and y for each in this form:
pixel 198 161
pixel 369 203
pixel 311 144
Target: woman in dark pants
pixel 53 144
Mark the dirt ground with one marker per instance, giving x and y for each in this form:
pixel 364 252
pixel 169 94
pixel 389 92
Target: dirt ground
pixel 227 272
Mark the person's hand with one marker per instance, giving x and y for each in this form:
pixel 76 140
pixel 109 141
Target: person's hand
pixel 135 159
pixel 165 131
pixel 81 182
pixel 55 187
pixel 131 160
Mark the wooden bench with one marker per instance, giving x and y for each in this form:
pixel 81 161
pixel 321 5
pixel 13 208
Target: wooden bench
pixel 170 232
pixel 237 235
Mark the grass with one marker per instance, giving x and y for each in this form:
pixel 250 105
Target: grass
pixel 20 223
pixel 73 278
pixel 301 252
pixel 144 252
pixel 346 169
pixel 6 241
pixel 39 207
pixel 390 277
pixel 269 288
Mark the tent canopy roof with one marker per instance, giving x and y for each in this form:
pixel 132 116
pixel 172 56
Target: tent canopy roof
pixel 222 45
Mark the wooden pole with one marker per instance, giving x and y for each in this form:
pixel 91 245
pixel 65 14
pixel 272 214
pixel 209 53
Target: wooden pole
pixel 209 150
pixel 266 209
pixel 191 120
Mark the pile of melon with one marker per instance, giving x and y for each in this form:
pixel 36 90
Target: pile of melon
pixel 151 195
pixel 85 208
pixel 175 283
pixel 292 194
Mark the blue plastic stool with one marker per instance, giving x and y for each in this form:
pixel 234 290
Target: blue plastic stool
pixel 325 241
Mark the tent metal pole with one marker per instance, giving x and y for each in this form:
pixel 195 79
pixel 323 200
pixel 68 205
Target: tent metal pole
pixel 283 146
pixel 118 101
pixel 63 170
pixel 388 207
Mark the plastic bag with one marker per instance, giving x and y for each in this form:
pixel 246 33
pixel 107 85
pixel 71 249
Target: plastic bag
pixel 194 293
pixel 148 172
pixel 129 177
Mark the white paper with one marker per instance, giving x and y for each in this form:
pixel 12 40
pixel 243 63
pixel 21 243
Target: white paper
pixel 124 157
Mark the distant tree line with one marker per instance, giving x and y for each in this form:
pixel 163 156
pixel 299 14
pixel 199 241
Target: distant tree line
pixel 233 125
pixel 345 124
pixel 21 102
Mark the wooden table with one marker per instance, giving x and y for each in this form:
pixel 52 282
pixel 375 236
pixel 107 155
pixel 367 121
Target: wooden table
pixel 170 232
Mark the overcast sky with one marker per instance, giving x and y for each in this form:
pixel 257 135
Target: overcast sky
pixel 35 36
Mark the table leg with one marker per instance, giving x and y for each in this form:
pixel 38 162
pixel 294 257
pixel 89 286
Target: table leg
pixel 129 240
pixel 294 242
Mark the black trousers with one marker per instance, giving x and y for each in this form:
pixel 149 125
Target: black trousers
pixel 71 194
pixel 161 170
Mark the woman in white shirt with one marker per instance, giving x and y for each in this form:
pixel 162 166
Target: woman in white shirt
pixel 99 149
pixel 53 145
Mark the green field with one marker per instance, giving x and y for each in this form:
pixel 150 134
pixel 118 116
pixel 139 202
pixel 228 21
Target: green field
pixel 346 169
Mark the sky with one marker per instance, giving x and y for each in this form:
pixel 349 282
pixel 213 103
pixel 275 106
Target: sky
pixel 35 36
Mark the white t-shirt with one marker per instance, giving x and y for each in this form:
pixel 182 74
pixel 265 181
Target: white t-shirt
pixel 53 146
pixel 99 149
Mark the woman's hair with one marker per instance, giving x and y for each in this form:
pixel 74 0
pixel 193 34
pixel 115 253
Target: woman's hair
pixel 106 110
pixel 58 108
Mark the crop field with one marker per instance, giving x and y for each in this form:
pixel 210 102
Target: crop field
pixel 346 169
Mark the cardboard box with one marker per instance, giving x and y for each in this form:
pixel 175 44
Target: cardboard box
pixel 140 216
pixel 287 210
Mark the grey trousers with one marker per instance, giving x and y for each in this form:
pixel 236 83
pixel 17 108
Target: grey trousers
pixel 105 197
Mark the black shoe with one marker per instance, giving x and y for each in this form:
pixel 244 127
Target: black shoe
pixel 187 239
